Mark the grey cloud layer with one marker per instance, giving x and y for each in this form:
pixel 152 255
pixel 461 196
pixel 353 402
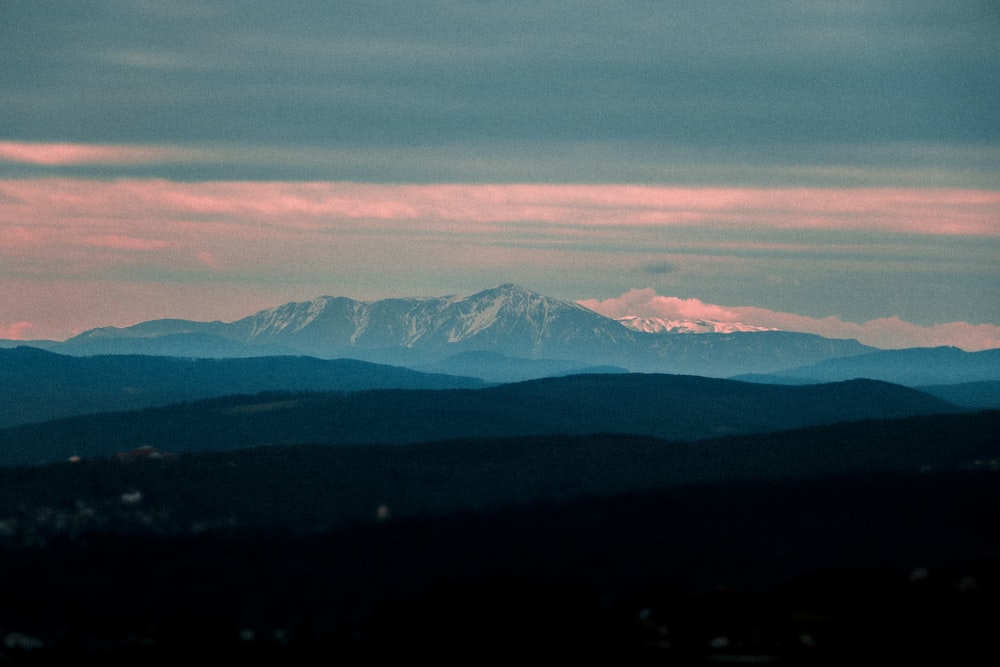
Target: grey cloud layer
pixel 783 84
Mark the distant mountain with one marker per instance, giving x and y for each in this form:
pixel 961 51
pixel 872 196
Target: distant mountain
pixel 498 368
pixel 912 367
pixel 970 395
pixel 40 344
pixel 663 406
pixel 659 325
pixel 36 385
pixel 506 320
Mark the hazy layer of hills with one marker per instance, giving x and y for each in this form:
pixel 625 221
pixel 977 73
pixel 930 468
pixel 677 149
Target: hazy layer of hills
pixel 912 367
pixel 36 385
pixel 665 406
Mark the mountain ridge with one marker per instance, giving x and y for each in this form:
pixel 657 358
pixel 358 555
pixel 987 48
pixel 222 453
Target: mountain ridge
pixel 664 406
pixel 39 385
pixel 912 367
pixel 420 331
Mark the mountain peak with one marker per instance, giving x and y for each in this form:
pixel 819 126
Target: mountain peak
pixel 507 289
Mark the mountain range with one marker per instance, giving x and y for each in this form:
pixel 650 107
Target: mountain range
pixel 300 473
pixel 426 332
pixel 503 334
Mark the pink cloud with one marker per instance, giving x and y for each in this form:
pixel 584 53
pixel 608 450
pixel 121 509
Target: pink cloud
pixel 297 234
pixel 120 242
pixel 950 212
pixel 209 259
pixel 16 235
pixel 16 331
pixel 54 154
pixel 62 307
pixel 889 332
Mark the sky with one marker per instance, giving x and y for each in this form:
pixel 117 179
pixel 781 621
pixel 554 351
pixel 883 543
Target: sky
pixel 830 167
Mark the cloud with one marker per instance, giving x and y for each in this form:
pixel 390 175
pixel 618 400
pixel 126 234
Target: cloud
pixel 491 160
pixel 16 331
pixel 646 303
pixel 658 268
pixel 888 332
pixel 120 242
pixel 63 154
pixel 209 259
pixel 863 253
pixel 956 212
pixel 642 92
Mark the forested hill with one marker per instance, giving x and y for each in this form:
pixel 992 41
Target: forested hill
pixel 663 406
pixel 318 485
pixel 38 385
pixel 812 546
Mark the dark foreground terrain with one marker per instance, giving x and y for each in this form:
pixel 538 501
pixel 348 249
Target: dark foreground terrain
pixel 476 551
pixel 893 568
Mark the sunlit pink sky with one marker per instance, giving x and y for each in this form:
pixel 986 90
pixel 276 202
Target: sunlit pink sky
pixel 820 167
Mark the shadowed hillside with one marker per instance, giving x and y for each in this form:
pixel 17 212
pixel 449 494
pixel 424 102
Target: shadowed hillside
pixel 912 367
pixel 39 386
pixel 973 395
pixel 873 538
pixel 664 406
pixel 305 487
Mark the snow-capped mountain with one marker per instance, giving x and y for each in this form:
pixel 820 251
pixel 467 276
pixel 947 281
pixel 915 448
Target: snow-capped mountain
pixel 506 320
pixel 660 325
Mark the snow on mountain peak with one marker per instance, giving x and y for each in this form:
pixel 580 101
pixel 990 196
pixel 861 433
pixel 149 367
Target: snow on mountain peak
pixel 506 306
pixel 507 315
pixel 660 325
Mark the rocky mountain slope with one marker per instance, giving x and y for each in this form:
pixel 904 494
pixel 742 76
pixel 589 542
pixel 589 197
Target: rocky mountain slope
pixel 507 320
